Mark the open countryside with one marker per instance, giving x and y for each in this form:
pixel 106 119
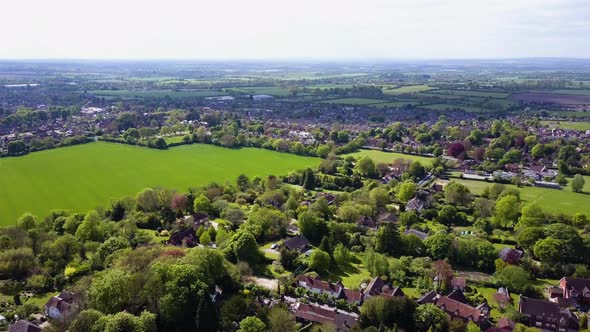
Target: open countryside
pixel 82 177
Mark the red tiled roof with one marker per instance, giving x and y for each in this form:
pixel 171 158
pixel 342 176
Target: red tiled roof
pixel 320 284
pixel 319 314
pixel 458 309
pixel 352 295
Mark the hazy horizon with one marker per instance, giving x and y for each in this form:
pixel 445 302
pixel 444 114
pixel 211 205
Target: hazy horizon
pixel 329 30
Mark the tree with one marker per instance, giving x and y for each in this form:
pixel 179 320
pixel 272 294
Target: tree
pixel 439 246
pixel 160 143
pixel 110 291
pixel 266 223
pixel 387 240
pixel 406 191
pixel 429 317
pixel 507 211
pixel 455 149
pixel 457 193
pixel 341 255
pixel 242 247
pixel 549 250
pixel 110 246
pixel 27 221
pixel 514 277
pixel 443 274
pixel 147 200
pixel 202 204
pixel 531 216
pixel 17 147
pixel 578 183
pixel 366 167
pixel 416 170
pixel 205 238
pixel 17 263
pixel 85 321
pixel 90 229
pixel 447 215
pixel 319 260
pixel 309 180
pixel 409 218
pixel 528 236
pixel 483 207
pixel 472 327
pixel 280 320
pixel 251 324
pixel 243 182
pixel 312 226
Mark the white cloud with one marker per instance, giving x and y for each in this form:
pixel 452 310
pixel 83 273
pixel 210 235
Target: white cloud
pixel 306 28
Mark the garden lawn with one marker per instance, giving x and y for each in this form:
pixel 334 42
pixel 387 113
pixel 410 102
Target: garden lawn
pixel 82 177
pixel 551 200
pixel 388 157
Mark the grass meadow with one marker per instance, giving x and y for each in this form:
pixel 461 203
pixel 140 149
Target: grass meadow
pixel 571 125
pixel 551 200
pixel 80 178
pixel 156 93
pixel 388 157
pixel 408 89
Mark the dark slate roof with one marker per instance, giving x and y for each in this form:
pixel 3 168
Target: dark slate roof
pixel 457 295
pixel 536 307
pixel 429 297
pixel 24 326
pixel 297 243
pixel 578 284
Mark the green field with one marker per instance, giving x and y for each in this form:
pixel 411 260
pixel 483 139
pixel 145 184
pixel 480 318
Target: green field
pixel 395 104
pixel 388 157
pixel 83 177
pixel 276 91
pixel 472 93
pixel 408 89
pixel 157 93
pixel 446 107
pixel 551 200
pixel 583 126
pixel 573 92
pixel 354 101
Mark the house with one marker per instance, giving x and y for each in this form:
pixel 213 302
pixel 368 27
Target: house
pixel 577 289
pixel 187 237
pixel 502 296
pixel 503 325
pixel 335 290
pixel 367 222
pixel 416 232
pixel 378 287
pixel 299 243
pixel 313 313
pixel 319 286
pixel 547 315
pixel 331 198
pixel 457 295
pixel 430 297
pixel 415 204
pixel 61 307
pixel 387 217
pixel 463 311
pixel 24 326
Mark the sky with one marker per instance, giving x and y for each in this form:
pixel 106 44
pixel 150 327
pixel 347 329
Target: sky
pixel 301 29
